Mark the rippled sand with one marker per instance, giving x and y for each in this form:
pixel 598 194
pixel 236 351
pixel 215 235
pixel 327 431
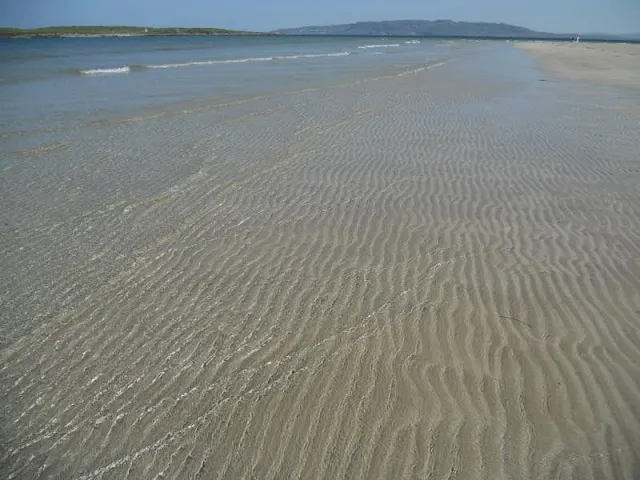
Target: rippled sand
pixel 431 274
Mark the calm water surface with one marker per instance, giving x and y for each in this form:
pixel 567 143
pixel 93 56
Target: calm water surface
pixel 48 82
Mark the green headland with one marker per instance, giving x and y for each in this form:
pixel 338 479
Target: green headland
pixel 104 31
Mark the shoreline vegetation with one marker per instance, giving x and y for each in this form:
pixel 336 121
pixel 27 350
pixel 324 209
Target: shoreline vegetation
pixel 114 31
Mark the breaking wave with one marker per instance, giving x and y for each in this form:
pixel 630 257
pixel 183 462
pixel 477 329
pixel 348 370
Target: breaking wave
pixel 200 63
pixel 105 71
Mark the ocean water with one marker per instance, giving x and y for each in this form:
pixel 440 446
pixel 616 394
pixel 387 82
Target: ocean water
pixel 67 80
pixel 101 115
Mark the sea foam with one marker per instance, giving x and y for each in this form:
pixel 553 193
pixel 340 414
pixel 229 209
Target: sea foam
pixel 200 63
pixel 246 60
pixel 390 45
pixel 105 71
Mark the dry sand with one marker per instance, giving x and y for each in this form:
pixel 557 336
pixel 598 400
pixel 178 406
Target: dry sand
pixel 609 63
pixel 433 275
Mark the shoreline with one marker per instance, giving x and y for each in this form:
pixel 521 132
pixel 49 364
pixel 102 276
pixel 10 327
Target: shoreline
pixel 594 62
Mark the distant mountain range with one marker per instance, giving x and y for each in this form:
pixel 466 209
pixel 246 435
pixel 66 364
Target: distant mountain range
pixel 436 28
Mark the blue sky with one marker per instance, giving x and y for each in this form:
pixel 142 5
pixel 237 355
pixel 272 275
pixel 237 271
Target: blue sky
pixel 611 16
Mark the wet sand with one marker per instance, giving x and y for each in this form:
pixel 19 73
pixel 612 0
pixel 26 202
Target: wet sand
pixel 431 274
pixel 607 63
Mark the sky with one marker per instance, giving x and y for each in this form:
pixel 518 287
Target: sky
pixel 588 16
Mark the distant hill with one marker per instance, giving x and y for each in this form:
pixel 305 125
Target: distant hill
pixel 113 31
pixel 437 28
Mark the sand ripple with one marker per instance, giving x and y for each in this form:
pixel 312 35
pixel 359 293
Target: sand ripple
pixel 408 277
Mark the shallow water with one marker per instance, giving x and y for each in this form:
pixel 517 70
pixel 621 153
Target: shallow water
pixel 63 79
pixel 415 264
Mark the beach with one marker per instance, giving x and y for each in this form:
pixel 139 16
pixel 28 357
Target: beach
pixel 323 260
pixel 604 63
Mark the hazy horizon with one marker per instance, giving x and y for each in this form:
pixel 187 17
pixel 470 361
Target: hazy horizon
pixel 602 16
pixel 309 25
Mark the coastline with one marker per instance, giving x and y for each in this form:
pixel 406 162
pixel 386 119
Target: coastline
pixel 120 35
pixel 108 31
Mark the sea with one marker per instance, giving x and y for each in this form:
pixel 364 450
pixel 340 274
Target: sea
pixel 59 81
pixel 77 101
